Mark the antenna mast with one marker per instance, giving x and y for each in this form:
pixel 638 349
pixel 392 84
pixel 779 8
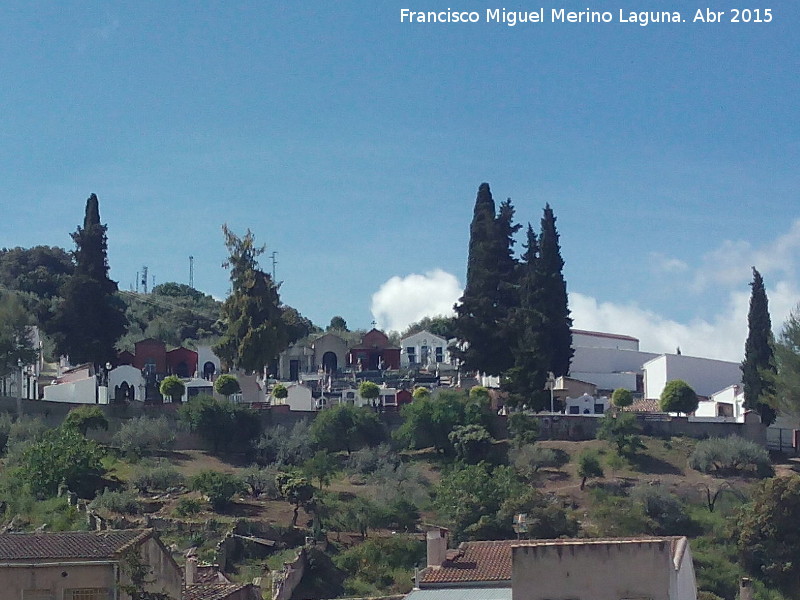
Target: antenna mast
pixel 191 272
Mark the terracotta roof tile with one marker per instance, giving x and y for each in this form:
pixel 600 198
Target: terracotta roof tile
pixel 474 561
pixel 97 545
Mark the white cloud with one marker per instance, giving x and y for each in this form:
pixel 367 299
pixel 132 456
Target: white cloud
pixel 401 301
pixel 667 264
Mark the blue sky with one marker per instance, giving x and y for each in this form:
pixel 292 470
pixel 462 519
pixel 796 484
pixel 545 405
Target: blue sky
pixel 353 145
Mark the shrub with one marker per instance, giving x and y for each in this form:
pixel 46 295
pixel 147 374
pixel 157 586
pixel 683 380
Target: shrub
pixel 369 460
pixel 678 396
pixel 123 502
pixel 219 487
pixel 141 435
pixel 666 511
pixel 283 447
pixel 472 443
pixel 226 426
pixel 261 481
pixel 731 455
pixel 187 507
pixel 84 418
pixel 589 466
pixel 172 387
pixel 621 430
pixel 22 433
pixel 523 429
pixel 528 459
pixel 161 476
pixel 5 429
pixel 227 385
pixel 621 398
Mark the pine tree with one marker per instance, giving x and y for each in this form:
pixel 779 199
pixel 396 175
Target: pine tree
pixel 482 320
pixel 554 307
pixel 255 330
pixel 758 367
pixel 91 317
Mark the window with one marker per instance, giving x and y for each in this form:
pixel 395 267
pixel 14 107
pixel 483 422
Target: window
pixel 412 354
pixel 574 410
pixel 439 354
pixel 87 594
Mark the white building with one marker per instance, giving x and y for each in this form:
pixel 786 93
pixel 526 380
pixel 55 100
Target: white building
pixel 705 375
pixel 586 405
pixel 126 383
pixel 608 360
pixel 424 349
pixel 299 398
pixel 725 405
pixel 208 363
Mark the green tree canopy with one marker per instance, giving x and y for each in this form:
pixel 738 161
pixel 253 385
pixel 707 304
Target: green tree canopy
pixel 15 342
pixel 84 418
pixel 589 466
pixel 219 487
pixel 347 427
pixel 678 396
pixel 337 324
pixel 280 391
pixel 622 430
pixel 225 425
pixel 787 359
pixel 61 455
pixel 255 331
pixel 758 367
pixel 621 398
pixel 368 390
pixel 767 534
pixel 173 387
pixel 227 385
pixel 296 490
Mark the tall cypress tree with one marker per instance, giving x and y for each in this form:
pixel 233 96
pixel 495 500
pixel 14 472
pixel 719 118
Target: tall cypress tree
pixel 554 301
pixel 525 381
pixel 482 313
pixel 91 317
pixel 758 367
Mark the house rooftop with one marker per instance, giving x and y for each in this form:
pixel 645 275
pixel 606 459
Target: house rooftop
pixel 613 336
pixel 490 563
pixel 212 591
pixel 70 545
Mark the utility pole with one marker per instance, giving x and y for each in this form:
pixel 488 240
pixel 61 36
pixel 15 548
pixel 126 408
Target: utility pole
pixel 274 262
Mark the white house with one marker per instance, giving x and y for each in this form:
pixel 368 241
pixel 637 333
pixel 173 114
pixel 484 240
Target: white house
pixel 208 363
pixel 705 375
pixel 77 385
pixel 586 405
pixel 424 349
pixel 126 383
pixel 299 398
pixel 724 405
pixel 386 397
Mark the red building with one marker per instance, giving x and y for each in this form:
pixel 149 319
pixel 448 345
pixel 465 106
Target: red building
pixel 374 353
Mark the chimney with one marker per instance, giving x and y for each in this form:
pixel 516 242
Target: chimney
pixel 745 589
pixel 437 546
pixel 191 570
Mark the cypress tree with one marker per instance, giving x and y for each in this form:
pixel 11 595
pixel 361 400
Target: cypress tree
pixel 525 381
pixel 91 317
pixel 255 331
pixel 482 313
pixel 758 367
pixel 554 302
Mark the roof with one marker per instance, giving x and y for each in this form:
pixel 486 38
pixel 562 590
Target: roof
pixel 473 562
pixel 212 591
pixel 491 562
pixel 613 336
pixel 70 545
pixel 643 406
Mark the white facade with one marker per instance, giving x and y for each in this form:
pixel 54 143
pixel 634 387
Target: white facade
pixel 79 391
pixel 609 368
pixel 705 375
pixel 387 397
pixel 726 405
pixel 208 363
pixel 299 398
pixel 424 349
pixel 586 405
pixel 126 382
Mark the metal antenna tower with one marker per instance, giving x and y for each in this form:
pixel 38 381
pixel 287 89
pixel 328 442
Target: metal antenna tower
pixel 144 280
pixel 274 262
pixel 191 272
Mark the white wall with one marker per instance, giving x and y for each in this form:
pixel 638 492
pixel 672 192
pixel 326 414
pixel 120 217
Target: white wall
pixel 299 398
pixel 586 403
pixel 706 376
pixel 608 381
pixel 82 391
pixel 608 360
pixel 126 374
pixel 417 341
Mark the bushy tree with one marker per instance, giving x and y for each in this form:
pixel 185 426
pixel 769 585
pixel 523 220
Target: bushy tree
pixel 589 466
pixel 347 427
pixel 621 398
pixel 369 391
pixel 62 455
pixel 296 490
pixel 523 428
pixel 758 367
pixel 530 458
pixel 420 392
pixel 428 421
pixel 84 418
pixel 255 331
pixel 321 467
pixel 280 391
pixel 156 476
pixel 283 447
pixel 730 456
pixel 124 502
pixel 679 397
pixel 219 487
pixel 228 427
pixel 227 385
pixel 141 435
pixel 787 360
pixel 767 535
pixel 622 431
pixel 666 512
pixel 91 317
pixel 261 480
pixel 337 324
pixel 472 443
pixel 172 387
